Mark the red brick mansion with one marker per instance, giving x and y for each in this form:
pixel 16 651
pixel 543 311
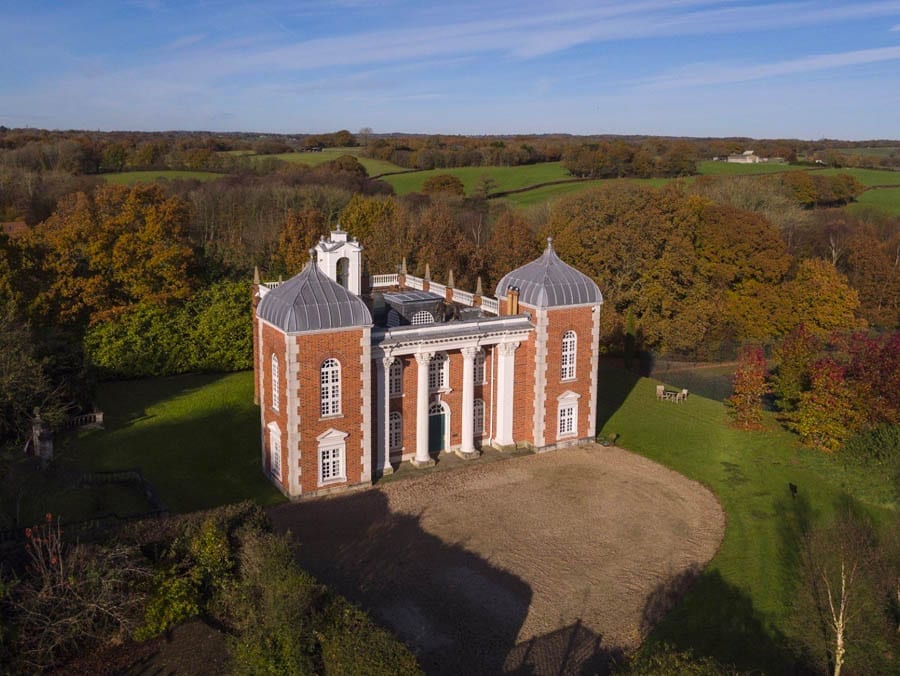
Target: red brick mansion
pixel 354 376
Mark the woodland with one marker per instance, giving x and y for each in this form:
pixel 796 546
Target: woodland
pixel 100 281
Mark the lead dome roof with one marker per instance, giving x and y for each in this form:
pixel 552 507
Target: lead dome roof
pixel 311 301
pixel 549 282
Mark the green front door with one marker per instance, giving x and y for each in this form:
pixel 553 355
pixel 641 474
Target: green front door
pixel 435 430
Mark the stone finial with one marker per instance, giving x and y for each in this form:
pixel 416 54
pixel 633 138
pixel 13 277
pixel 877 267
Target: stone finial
pixel 280 278
pixel 550 243
pixel 427 272
pixel 403 266
pixel 256 275
pixel 479 290
pixel 450 281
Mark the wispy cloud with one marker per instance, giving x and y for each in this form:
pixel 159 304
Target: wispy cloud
pixel 702 75
pixel 895 29
pixel 185 41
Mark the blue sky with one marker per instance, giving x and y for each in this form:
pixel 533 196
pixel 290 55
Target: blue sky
pixel 683 67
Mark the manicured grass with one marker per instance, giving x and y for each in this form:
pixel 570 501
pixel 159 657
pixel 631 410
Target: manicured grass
pixel 548 193
pixel 886 199
pixel 131 177
pixel 712 168
pixel 507 178
pixel 868 177
pixel 195 438
pixel 738 610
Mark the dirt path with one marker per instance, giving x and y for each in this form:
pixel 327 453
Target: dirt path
pixel 544 563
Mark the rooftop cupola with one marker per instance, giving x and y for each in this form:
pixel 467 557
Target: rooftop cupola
pixel 312 301
pixel 549 282
pixel 340 258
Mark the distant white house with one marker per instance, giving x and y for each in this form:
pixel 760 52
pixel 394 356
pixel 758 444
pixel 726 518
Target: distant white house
pixel 750 157
pixel 746 157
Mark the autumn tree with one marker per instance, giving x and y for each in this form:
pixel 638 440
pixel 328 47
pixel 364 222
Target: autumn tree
pixel 100 253
pixel 443 183
pixel 827 413
pixel 822 299
pixel 513 243
pixel 749 386
pixel 794 358
pixel 300 233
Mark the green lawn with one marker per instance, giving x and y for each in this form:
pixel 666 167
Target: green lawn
pixel 131 177
pixel 507 178
pixel 711 168
pixel 737 611
pixel 886 199
pixel 868 177
pixel 196 438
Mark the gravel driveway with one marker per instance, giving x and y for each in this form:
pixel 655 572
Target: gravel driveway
pixel 538 564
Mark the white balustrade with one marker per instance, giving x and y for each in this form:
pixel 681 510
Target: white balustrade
pixel 439 289
pixel 464 297
pixel 384 280
pixel 415 282
pixel 491 305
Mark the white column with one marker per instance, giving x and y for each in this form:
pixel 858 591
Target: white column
pixel 384 400
pixel 467 443
pixel 505 393
pixel 422 459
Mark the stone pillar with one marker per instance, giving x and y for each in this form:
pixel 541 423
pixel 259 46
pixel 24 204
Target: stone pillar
pixel 422 459
pixel 384 457
pixel 41 438
pixel 467 443
pixel 506 393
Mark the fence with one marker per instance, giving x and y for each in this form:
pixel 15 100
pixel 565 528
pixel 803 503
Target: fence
pixel 415 282
pixel 464 297
pixel 491 305
pixel 384 280
pixel 86 420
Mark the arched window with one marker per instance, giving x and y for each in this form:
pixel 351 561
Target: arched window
pixel 330 380
pixel 395 379
pixel 479 368
pixel 422 317
pixel 275 384
pixel 568 356
pixel 395 431
pixel 343 272
pixel 437 372
pixel 478 415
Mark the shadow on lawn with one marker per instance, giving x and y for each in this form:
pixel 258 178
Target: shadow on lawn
pixel 457 612
pixel 702 612
pixel 615 385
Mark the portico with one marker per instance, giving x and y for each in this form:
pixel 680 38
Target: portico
pixel 445 373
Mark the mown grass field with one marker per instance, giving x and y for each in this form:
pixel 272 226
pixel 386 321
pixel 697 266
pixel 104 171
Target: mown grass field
pixel 506 178
pixel 195 438
pixel 738 610
pixel 868 177
pixel 885 199
pixel 132 177
pixel 548 193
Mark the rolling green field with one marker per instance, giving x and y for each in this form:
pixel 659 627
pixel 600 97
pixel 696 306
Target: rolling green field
pixel 711 168
pixel 548 193
pixel 374 167
pixel 507 178
pixel 886 199
pixel 195 438
pixel 736 612
pixel 868 177
pixel 132 177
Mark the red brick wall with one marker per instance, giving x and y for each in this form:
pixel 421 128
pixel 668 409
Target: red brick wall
pixel 313 349
pixel 559 321
pixel 273 342
pixel 523 399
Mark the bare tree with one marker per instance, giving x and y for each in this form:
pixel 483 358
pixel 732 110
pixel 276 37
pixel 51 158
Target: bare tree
pixel 843 571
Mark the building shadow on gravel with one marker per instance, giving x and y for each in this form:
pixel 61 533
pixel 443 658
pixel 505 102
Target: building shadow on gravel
pixel 457 612
pixel 574 650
